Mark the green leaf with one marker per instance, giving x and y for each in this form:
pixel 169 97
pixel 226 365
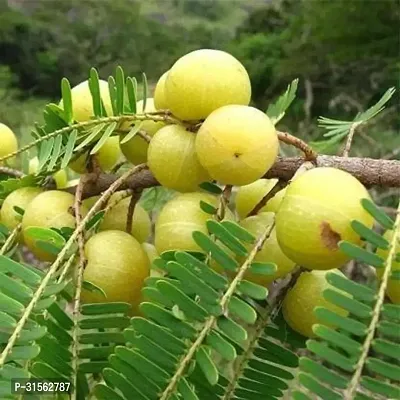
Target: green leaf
pixel 232 330
pixel 186 390
pixel 383 388
pixel 45 235
pixel 9 305
pixel 207 366
pixel 95 220
pixel 55 153
pixel 115 379
pixel 145 91
pixel 46 148
pixel 131 88
pixel 7 265
pixel 253 290
pixel 379 215
pixel 132 133
pixel 222 346
pixel 263 268
pixel 103 392
pixel 19 210
pixel 102 337
pixel 120 87
pixel 91 287
pixel 69 148
pixel 207 208
pixel 315 387
pixel 107 133
pixel 277 110
pixel 210 188
pixel 113 94
pixel 67 100
pixel 92 136
pixel 105 308
pixel 360 254
pixel 369 235
pixel 236 230
pixel 19 353
pixel 94 87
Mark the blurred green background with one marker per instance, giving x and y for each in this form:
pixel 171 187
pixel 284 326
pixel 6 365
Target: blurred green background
pixel 345 52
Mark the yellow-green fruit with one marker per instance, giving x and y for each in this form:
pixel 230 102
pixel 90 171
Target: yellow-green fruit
pixel 270 252
pixel 248 196
pixel 179 218
pixel 18 198
pixel 60 177
pixel 307 293
pixel 393 287
pixel 172 159
pixel 107 157
pixel 316 213
pixel 203 81
pixel 82 102
pixel 135 149
pixel 117 264
pixel 159 93
pixel 8 141
pixel 116 218
pixel 51 209
pixel 237 144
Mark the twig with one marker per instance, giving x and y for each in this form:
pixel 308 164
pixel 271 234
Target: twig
pixel 350 139
pixel 118 166
pixel 11 172
pixel 309 153
pixel 118 198
pixel 10 240
pixel 131 209
pixel 210 323
pixel 59 260
pixel 223 202
pixel 279 186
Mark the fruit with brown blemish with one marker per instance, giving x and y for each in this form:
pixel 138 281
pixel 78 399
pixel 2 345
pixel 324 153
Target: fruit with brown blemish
pixel 316 214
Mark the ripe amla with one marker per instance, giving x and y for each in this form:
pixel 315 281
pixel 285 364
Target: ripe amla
pixel 237 144
pixel 60 177
pixel 393 286
pixel 135 149
pixel 179 218
pixel 270 252
pixel 116 263
pixel 316 213
pixel 51 209
pixel 18 198
pixel 307 293
pixel 82 101
pixel 8 141
pixel 173 161
pixel 107 157
pixel 116 218
pixel 248 196
pixel 203 81
pixel 160 100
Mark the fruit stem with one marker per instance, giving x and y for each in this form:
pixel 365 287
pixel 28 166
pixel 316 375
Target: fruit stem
pixel 10 240
pixel 11 172
pixel 309 153
pixel 131 209
pixel 223 202
pixel 278 186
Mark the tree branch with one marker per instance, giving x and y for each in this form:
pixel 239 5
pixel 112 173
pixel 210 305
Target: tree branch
pixel 369 171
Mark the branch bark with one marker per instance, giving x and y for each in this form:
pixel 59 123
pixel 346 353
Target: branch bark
pixel 369 171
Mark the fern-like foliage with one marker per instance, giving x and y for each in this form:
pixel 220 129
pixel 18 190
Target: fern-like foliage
pixel 360 358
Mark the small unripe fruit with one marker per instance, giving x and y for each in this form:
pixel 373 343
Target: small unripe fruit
pixel 107 157
pixel 393 286
pixel 316 213
pixel 82 102
pixel 248 196
pixel 179 218
pixel 8 140
pixel 135 149
pixel 270 252
pixel 60 177
pixel 307 293
pixel 237 144
pixel 18 198
pixel 51 209
pixel 172 159
pixel 117 264
pixel 203 81
pixel 116 218
pixel 160 100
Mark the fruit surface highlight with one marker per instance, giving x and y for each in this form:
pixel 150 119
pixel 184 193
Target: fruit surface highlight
pixel 51 209
pixel 270 252
pixel 135 149
pixel 160 100
pixel 118 265
pixel 8 141
pixel 116 219
pixel 248 196
pixel 307 293
pixel 393 286
pixel 18 198
pixel 316 213
pixel 107 157
pixel 82 102
pixel 237 144
pixel 203 81
pixel 60 177
pixel 173 161
pixel 179 218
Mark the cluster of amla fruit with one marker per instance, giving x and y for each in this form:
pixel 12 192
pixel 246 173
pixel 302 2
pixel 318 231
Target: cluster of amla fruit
pixel 220 138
